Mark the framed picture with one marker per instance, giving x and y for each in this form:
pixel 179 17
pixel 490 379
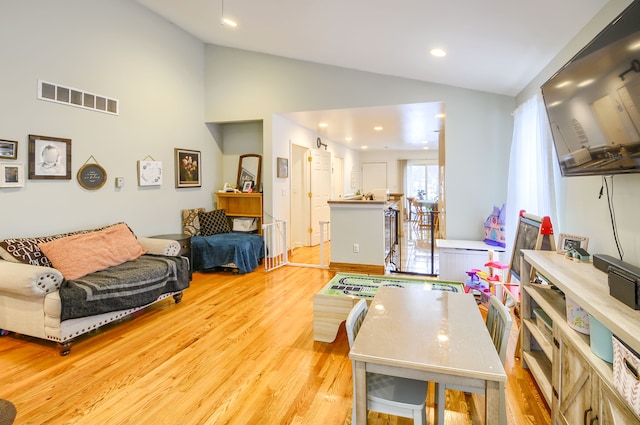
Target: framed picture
pixel 566 242
pixel 8 149
pixel 188 173
pixel 49 158
pixel 11 175
pixel 149 173
pixel 247 186
pixel 92 176
pixel 283 167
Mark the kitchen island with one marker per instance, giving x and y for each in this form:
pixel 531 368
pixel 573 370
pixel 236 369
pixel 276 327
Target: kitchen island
pixel 359 242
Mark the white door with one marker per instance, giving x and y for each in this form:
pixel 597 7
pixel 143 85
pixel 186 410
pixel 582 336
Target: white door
pixel 320 167
pixel 299 197
pixel 338 178
pixel 374 176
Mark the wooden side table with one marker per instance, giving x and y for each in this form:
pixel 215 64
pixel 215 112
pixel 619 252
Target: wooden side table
pixel 185 245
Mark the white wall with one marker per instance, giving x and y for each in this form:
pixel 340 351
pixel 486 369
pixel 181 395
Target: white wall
pixel 392 158
pixel 287 133
pixel 119 49
pixel 581 210
pixel 238 139
pixel 242 86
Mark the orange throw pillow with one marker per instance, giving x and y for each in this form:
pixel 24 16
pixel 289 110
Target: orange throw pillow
pixel 78 255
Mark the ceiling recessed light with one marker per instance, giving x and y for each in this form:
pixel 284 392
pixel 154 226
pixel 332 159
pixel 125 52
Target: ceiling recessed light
pixel 437 52
pixel 348 139
pixel 363 147
pixel 586 83
pixel 377 128
pixel 323 124
pixel 229 22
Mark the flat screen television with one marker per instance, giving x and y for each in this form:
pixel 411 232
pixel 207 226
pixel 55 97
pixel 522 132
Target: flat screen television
pixel 593 102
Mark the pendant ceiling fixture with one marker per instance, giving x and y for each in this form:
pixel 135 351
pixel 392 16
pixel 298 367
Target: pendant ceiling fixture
pixel 227 21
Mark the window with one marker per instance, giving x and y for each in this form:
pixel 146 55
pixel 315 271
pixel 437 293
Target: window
pixel 422 179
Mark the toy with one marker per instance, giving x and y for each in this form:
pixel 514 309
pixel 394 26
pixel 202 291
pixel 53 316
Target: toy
pixel 494 227
pixel 579 254
pixel 475 284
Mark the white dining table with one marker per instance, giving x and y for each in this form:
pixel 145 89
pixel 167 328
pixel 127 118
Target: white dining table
pixel 431 336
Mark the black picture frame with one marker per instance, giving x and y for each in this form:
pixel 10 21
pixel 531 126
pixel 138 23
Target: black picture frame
pixel 188 169
pixel 49 158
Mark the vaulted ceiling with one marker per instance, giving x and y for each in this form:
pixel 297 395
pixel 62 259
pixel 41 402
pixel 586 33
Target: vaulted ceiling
pixel 495 46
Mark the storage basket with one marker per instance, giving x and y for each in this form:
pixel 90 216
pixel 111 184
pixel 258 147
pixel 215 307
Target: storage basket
pixel 577 317
pixel 245 224
pixel 600 340
pixel 626 364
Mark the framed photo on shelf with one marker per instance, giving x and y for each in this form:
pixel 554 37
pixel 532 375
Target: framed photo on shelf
pixel 8 149
pixel 283 167
pixel 567 242
pixel 11 175
pixel 188 172
pixel 247 186
pixel 49 158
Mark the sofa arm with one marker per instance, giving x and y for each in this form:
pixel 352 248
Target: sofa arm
pixel 28 280
pixel 160 246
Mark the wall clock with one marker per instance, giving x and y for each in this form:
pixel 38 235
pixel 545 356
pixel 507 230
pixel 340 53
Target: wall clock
pixel 92 176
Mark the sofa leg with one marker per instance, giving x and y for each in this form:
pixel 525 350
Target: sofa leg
pixel 177 297
pixel 65 347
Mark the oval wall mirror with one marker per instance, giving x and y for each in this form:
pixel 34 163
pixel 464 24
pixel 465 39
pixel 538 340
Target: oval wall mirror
pixel 249 170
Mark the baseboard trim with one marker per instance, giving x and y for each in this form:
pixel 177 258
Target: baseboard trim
pixel 356 268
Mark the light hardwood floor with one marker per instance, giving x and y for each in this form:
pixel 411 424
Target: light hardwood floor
pixel 239 349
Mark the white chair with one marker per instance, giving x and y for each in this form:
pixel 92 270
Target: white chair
pixel 387 394
pixel 499 325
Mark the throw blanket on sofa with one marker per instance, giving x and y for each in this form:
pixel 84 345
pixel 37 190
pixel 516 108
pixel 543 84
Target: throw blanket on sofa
pixel 245 250
pixel 131 284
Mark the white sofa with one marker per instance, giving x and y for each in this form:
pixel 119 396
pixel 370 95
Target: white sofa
pixel 30 301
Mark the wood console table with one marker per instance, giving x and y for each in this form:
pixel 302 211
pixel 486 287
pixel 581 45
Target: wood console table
pixel 577 384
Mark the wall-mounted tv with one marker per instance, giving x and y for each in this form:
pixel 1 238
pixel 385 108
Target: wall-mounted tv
pixel 593 102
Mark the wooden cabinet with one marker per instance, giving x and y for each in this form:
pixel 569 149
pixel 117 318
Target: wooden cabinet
pixel 577 384
pixel 583 396
pixel 241 205
pixel 574 384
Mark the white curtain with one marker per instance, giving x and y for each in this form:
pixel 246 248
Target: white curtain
pixel 533 168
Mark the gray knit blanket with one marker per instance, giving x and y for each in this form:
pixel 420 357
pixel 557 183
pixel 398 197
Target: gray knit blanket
pixel 129 285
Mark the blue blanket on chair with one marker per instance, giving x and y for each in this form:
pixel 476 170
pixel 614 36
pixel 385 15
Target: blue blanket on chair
pixel 245 250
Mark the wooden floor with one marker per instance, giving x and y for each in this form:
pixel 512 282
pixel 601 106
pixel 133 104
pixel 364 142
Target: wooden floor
pixel 239 349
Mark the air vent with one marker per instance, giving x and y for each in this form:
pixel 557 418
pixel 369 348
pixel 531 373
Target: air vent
pixel 73 97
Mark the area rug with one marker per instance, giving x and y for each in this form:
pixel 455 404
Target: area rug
pixel 7 412
pixel 366 286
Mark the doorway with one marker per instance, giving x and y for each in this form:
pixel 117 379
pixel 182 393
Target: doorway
pixel 311 179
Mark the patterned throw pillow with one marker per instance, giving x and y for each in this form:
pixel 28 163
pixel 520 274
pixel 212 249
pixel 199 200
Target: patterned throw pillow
pixel 213 222
pixel 26 250
pixel 190 222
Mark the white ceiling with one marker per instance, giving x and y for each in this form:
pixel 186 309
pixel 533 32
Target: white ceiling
pixel 496 46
